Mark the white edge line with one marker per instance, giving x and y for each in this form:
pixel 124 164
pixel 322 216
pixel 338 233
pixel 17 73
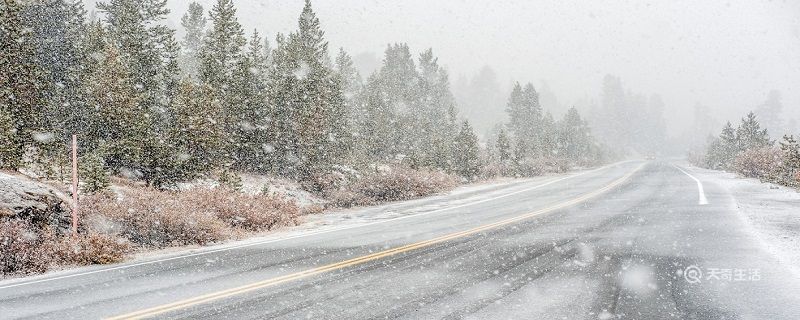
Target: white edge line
pixel 702 200
pixel 306 234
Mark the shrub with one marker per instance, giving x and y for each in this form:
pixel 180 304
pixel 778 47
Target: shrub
pixel 91 249
pixel 155 218
pixel 24 248
pixel 250 212
pixel 398 183
pixel 757 162
pixel 152 218
pixel 347 198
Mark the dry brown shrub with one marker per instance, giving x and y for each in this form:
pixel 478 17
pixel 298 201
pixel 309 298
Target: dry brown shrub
pixel 153 218
pixel 249 212
pixel 24 249
pixel 92 249
pixel 758 162
pixel 347 198
pixel 399 183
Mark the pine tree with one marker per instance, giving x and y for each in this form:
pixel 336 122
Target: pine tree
pixel 789 171
pixel 309 107
pixel 574 140
pixel 525 114
pixel 21 84
pixel 750 135
pixel 433 115
pixel 195 134
pixel 148 49
pixel 93 173
pixel 58 33
pixel 466 153
pixel 248 110
pixel 122 123
pixel 503 147
pixel 194 25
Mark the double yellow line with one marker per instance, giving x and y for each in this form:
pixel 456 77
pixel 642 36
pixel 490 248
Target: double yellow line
pixel 360 260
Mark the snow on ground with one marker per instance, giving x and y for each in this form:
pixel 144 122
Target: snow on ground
pixel 772 210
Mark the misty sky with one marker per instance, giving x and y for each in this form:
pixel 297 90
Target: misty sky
pixel 724 54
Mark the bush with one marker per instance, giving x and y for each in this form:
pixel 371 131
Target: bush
pixel 398 183
pixel 758 162
pixel 24 248
pixel 249 212
pixel 155 218
pixel 92 249
pixel 152 218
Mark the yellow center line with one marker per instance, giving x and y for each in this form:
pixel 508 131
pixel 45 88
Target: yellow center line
pixel 149 312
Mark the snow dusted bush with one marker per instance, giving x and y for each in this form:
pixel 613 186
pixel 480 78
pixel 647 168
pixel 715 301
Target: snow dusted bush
pixel 758 162
pixel 91 249
pixel 153 218
pixel 249 212
pixel 24 249
pixel 397 183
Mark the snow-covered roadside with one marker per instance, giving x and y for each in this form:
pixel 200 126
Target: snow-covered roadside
pixel 772 210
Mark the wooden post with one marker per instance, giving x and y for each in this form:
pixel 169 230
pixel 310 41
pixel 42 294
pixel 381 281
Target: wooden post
pixel 74 185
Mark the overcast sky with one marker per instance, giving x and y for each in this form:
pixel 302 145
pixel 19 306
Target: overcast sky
pixel 724 54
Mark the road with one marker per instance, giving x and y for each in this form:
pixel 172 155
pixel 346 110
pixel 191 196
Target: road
pixel 614 242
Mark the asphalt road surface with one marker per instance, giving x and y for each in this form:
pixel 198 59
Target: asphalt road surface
pixel 635 240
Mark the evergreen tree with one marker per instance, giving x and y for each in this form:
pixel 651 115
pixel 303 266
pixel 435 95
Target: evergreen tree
pixel 194 26
pixel 148 49
pixel 525 114
pixel 750 135
pixel 503 147
pixel 222 48
pixel 789 170
pixel 195 134
pixel 433 115
pixel 21 84
pixel 309 107
pixel 93 173
pixel 574 140
pixel 248 110
pixel 466 152
pixel 58 33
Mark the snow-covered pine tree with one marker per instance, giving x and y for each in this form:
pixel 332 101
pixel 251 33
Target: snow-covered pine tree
pixel 309 107
pixel 220 55
pixel 503 146
pixel 750 135
pixel 250 114
pixel 789 170
pixel 59 30
pixel 194 26
pixel 195 133
pixel 574 140
pixel 433 115
pixel 466 152
pixel 352 88
pixel 93 172
pixel 21 84
pixel 148 49
pixel 525 114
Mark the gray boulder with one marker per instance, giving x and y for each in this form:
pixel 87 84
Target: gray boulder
pixel 38 203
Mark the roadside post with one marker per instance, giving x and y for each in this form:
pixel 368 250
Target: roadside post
pixel 74 185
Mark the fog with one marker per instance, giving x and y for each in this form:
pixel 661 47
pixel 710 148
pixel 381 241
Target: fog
pixel 726 56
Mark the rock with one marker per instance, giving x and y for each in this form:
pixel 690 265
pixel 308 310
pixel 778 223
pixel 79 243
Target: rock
pixel 26 199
